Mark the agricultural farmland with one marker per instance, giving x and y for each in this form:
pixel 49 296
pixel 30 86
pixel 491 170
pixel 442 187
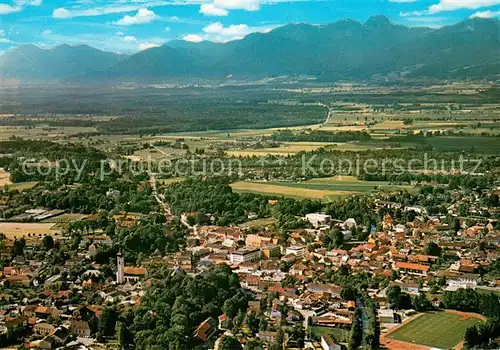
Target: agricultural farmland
pixel 14 230
pixel 4 177
pixel 323 188
pixel 287 191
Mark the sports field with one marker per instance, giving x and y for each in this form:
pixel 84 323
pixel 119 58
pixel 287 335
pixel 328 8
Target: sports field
pixel 441 330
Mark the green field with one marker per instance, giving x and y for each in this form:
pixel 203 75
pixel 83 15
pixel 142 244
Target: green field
pixel 438 330
pixel 340 335
pixel 347 183
pixel 326 189
pixel 478 144
pixel 65 218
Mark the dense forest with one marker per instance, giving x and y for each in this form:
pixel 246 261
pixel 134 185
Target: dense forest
pixel 176 304
pixel 319 136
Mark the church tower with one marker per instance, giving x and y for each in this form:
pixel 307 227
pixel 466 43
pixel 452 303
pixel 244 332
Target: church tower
pixel 120 263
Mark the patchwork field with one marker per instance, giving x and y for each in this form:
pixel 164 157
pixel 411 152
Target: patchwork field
pixel 288 148
pixel 16 229
pixel 41 131
pixel 441 330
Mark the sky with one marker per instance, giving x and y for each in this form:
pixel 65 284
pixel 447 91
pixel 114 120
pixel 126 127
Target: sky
pixel 128 26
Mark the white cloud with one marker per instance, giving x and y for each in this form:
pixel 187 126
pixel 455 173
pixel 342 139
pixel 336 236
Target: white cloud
pixel 193 38
pixel 18 6
pixel 486 14
pixel 411 13
pixel 234 30
pixel 146 46
pixel 167 29
pixel 5 9
pixel 142 16
pixel 83 8
pixel 61 12
pixel 47 32
pixel 212 10
pixel 3 39
pixel 130 39
pixel 248 5
pixel 28 2
pixel 451 5
pixel 117 7
pixel 120 33
pixel 217 32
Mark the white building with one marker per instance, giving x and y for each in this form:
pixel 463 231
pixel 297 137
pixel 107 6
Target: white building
pixel 317 219
pixel 350 223
pixel 295 250
pixel 243 255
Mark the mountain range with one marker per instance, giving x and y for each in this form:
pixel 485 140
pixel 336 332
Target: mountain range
pixel 343 50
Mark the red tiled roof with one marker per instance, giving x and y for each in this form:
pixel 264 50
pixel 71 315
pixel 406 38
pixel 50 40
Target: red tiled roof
pixel 410 266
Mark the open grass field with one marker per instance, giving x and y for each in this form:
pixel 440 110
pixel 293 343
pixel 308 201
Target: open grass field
pixel 65 218
pixel 324 188
pixel 166 182
pixel 260 222
pixel 287 191
pixel 437 329
pixel 21 186
pixel 41 132
pixel 4 177
pixel 347 183
pixel 288 148
pixel 340 335
pixel 484 145
pixel 19 229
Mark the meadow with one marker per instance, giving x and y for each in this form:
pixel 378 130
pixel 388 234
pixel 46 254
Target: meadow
pixel 340 335
pixel 4 177
pixel 286 191
pixel 14 230
pixel 437 329
pixel 324 189
pixel 347 183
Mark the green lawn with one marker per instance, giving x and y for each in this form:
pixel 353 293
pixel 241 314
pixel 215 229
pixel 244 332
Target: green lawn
pixel 438 330
pixel 340 335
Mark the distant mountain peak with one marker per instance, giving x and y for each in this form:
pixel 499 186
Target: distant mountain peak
pixel 346 49
pixel 379 21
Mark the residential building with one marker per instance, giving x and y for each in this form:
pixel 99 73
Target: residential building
pixel 243 255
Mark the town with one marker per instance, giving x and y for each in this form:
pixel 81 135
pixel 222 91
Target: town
pixel 363 272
